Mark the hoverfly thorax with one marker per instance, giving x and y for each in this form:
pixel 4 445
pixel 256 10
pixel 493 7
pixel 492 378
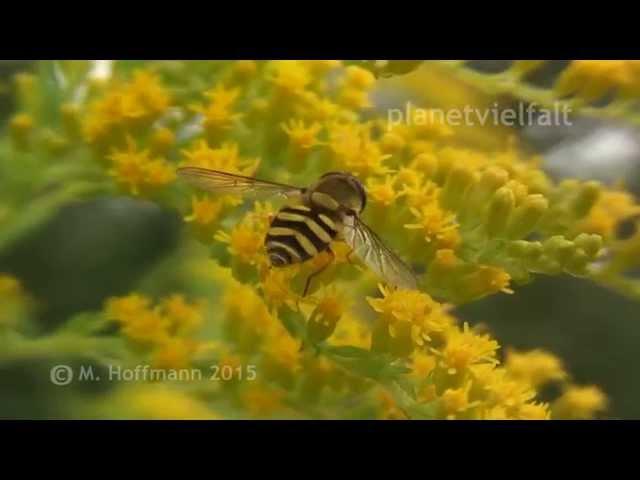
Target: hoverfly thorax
pixel 344 188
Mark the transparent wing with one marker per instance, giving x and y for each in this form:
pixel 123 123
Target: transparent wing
pixel 376 255
pixel 229 183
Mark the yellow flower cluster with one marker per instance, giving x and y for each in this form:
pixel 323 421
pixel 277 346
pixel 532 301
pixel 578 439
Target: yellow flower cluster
pixel 126 107
pixel 165 330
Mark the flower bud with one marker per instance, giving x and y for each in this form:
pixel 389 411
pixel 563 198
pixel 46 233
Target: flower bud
pixel 590 243
pixel 526 216
pixel 162 140
pixel 585 199
pixel 427 164
pixel 559 248
pixel 21 126
pixel 479 194
pixel 577 263
pixel 492 179
pixel 499 212
pixel 456 187
pixel 392 143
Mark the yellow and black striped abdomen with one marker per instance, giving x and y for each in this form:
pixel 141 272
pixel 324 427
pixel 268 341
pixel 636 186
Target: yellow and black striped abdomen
pixel 298 233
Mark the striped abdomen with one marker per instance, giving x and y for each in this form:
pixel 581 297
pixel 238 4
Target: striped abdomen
pixel 298 233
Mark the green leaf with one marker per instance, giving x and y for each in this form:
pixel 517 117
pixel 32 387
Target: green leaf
pixel 348 351
pixel 293 321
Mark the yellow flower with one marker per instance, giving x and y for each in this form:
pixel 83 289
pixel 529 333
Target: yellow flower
pixel 353 149
pixel 464 348
pixel 534 411
pixel 579 403
pixel 148 328
pixel 204 211
pixel 594 78
pixel 226 158
pixel 162 140
pixel 149 93
pixel 218 114
pixel 290 77
pixel 246 239
pixel 184 317
pixel 245 243
pixel 157 402
pixel 436 224
pixel 175 353
pixel 510 395
pixel 422 364
pixel 261 400
pixel 137 172
pixel 483 280
pixel 302 137
pixel 354 98
pixel 359 78
pixel 384 192
pixel 352 331
pixel 127 309
pixel 455 401
pixel 138 102
pixel 611 208
pixel 21 126
pixel 410 309
pixel 276 287
pixel 247 317
pixel 324 318
pixel 320 67
pixel 536 367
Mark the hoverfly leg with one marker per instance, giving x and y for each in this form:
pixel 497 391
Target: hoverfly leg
pixel 318 272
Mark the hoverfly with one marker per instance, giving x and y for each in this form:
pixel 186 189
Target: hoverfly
pixel 312 218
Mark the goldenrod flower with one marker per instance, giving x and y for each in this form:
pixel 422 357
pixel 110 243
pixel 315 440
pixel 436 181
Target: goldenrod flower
pixel 290 77
pixel 21 127
pixel 175 353
pixel 204 211
pixel 137 172
pixel 261 400
pixel 382 192
pixel 138 102
pixel 156 402
pixel 185 317
pixel 302 137
pixel 409 311
pixel 579 403
pixel 464 349
pixel 128 308
pixel 437 225
pixel 218 114
pixel 455 401
pixel 225 158
pixel 536 367
pixel 324 318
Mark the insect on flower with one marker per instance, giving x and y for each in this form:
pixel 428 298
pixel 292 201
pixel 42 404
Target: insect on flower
pixel 313 217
